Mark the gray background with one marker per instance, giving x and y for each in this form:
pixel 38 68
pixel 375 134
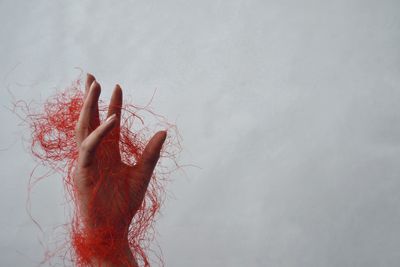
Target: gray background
pixel 290 108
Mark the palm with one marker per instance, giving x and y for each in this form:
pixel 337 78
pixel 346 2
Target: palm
pixel 120 207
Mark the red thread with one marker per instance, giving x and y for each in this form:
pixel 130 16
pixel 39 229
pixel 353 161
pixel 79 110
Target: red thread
pixel 53 145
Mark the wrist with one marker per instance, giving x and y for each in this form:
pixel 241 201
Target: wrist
pixel 124 256
pixel 103 246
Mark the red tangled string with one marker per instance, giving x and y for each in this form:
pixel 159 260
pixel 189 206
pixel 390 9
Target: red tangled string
pixel 53 145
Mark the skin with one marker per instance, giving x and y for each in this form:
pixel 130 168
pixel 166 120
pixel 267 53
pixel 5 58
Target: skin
pixel 93 136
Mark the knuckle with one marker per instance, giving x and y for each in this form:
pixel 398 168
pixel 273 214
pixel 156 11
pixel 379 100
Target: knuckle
pixel 84 147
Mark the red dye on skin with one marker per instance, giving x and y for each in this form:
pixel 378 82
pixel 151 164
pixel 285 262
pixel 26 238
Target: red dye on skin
pixel 103 234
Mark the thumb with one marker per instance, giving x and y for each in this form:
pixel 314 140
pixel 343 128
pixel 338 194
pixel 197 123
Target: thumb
pixel 150 155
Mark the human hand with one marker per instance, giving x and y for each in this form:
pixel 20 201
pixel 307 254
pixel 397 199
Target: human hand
pixel 111 202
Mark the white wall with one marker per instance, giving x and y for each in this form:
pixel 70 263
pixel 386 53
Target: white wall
pixel 290 108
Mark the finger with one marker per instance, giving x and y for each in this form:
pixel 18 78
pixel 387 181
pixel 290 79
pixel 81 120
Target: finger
pixel 89 116
pixel 95 120
pixel 115 102
pixel 89 80
pixel 115 108
pixel 150 155
pixel 91 143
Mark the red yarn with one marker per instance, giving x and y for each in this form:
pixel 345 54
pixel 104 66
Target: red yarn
pixel 53 145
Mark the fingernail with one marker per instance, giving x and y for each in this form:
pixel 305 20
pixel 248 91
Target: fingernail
pixel 111 118
pixel 92 85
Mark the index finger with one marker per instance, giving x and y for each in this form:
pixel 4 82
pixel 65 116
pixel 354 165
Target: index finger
pixel 89 80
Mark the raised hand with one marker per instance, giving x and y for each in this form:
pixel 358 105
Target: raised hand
pixel 109 192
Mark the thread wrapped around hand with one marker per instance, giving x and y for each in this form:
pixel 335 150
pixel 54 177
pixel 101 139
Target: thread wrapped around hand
pixel 111 193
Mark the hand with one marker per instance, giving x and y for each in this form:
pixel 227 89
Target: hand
pixel 109 192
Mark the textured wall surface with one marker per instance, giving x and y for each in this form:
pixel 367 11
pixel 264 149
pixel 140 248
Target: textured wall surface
pixel 289 108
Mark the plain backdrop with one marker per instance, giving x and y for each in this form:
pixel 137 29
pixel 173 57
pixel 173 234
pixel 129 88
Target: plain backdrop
pixel 289 110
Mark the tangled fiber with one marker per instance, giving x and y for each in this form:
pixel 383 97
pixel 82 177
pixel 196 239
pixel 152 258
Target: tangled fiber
pixel 53 145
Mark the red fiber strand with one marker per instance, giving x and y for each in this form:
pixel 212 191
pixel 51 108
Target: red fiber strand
pixel 53 145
